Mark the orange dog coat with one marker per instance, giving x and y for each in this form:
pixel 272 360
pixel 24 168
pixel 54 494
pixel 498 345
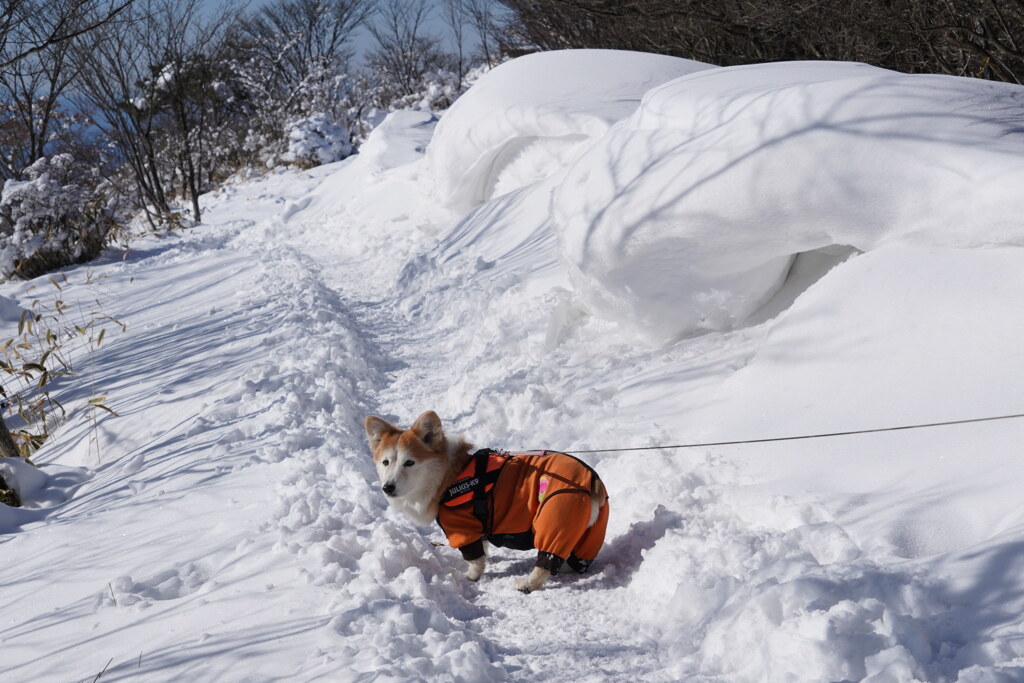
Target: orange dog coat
pixel 536 499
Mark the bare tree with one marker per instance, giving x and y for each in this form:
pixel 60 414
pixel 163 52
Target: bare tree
pixel 966 37
pixel 35 71
pixel 184 92
pixel 28 27
pixel 456 16
pixel 483 17
pixel 290 44
pixel 983 38
pixel 404 51
pixel 116 81
pixel 30 92
pixel 152 82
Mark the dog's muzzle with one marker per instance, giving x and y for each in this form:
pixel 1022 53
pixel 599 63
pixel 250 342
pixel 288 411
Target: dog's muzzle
pixel 388 489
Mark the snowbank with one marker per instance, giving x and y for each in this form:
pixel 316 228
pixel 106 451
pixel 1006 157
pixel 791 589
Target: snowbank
pixel 901 335
pixel 399 139
pixel 22 477
pixel 686 215
pixel 538 109
pixel 39 490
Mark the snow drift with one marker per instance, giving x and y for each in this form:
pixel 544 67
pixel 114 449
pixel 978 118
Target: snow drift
pixel 527 117
pixel 686 215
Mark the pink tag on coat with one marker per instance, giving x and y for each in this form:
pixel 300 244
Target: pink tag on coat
pixel 542 488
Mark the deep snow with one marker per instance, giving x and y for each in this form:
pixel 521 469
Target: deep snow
pixel 227 526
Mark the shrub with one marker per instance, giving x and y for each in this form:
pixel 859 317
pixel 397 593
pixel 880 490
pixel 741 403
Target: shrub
pixel 50 219
pixel 316 139
pixel 50 337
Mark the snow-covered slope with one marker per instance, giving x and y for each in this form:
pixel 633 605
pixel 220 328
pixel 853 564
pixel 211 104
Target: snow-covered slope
pixel 525 119
pixel 719 179
pixel 227 525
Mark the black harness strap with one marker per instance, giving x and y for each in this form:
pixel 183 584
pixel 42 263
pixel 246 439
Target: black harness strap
pixel 474 490
pixel 480 493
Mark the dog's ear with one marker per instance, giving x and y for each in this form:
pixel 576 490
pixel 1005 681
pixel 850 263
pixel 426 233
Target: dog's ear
pixel 377 429
pixel 427 429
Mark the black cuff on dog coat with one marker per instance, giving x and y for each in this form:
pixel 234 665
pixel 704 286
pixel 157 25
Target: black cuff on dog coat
pixel 473 551
pixel 550 562
pixel 577 565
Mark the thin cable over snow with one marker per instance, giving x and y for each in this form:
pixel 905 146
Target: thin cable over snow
pixel 803 436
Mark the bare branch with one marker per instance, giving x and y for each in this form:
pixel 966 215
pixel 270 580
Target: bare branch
pixel 66 28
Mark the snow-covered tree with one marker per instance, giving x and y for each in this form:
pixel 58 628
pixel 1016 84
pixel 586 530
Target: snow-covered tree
pixel 291 58
pixel 405 55
pixel 54 205
pixel 154 83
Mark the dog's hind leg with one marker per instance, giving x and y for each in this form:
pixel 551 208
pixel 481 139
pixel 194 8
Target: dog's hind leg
pixel 590 543
pixel 532 581
pixel 558 528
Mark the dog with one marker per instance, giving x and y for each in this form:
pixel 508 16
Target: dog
pixel 543 500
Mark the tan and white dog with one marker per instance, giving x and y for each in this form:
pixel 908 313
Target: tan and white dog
pixel 539 499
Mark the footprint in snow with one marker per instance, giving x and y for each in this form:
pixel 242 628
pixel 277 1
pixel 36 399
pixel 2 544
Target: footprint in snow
pixel 169 584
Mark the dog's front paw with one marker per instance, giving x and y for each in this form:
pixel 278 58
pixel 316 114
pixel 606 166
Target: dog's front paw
pixel 476 568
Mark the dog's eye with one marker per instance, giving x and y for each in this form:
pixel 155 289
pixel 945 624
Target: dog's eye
pixel 384 462
pixel 408 463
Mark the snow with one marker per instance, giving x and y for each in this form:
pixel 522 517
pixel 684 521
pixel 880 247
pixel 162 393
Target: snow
pixel 228 525
pixel 522 120
pixel 720 178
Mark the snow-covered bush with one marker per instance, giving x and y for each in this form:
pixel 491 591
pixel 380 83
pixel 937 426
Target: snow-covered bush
pixel 371 99
pixel 317 139
pixel 50 219
pixel 436 90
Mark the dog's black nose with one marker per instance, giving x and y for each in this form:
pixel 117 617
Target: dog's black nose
pixel 388 489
